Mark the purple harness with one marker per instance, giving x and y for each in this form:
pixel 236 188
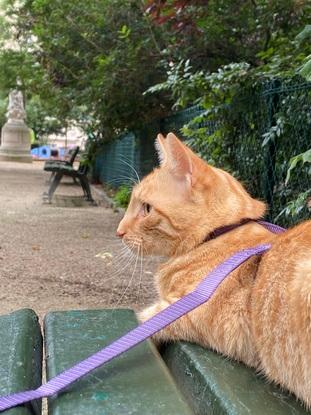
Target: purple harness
pixel 189 302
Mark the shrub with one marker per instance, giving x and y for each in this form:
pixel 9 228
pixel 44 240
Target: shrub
pixel 122 197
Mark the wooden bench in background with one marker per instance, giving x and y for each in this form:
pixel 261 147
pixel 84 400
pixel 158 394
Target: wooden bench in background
pixel 59 171
pixel 137 382
pixel 71 155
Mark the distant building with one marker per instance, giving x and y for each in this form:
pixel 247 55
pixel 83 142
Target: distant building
pixel 73 137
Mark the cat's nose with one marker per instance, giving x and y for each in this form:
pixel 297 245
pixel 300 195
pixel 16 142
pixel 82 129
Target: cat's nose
pixel 120 233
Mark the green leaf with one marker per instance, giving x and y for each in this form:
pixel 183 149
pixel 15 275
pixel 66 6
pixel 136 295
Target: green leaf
pixel 305 34
pixel 124 32
pixel 303 157
pixel 306 157
pixel 305 71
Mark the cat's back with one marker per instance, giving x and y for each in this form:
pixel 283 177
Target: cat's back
pixel 281 309
pixel 284 267
pixel 289 251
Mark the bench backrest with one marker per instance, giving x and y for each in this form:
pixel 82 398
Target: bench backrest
pixel 74 154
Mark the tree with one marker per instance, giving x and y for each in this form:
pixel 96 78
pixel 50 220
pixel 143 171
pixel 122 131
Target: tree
pixel 92 60
pixel 245 64
pixel 218 32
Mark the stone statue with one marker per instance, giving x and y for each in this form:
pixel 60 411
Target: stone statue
pixel 15 135
pixel 16 111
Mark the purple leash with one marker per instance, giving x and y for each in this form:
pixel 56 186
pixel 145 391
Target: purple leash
pixel 189 302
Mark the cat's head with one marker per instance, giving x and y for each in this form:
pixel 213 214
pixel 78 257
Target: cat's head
pixel 177 205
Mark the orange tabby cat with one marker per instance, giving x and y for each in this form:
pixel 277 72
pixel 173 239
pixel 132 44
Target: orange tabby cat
pixel 261 314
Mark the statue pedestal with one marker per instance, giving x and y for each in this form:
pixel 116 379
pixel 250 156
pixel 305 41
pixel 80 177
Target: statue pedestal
pixel 15 142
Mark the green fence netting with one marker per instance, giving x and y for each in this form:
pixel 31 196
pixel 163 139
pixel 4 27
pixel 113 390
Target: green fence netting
pixel 254 138
pixel 127 158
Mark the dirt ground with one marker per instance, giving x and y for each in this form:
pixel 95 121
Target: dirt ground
pixel 62 256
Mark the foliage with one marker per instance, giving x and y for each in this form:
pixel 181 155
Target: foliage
pixel 90 61
pixel 302 203
pixel 305 38
pixel 122 196
pixel 297 207
pixel 251 112
pixel 175 12
pixel 92 147
pixel 300 158
pixel 271 50
pixel 218 32
pixel 230 95
pixel 261 130
pixel 3 110
pixel 46 112
pixel 40 119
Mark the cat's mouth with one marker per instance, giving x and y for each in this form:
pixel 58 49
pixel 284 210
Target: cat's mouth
pixel 135 245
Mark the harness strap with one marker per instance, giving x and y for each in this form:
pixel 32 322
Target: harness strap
pixel 199 296
pixel 224 229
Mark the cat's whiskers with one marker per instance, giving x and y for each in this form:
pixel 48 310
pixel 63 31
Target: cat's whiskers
pixel 133 251
pixel 113 243
pixel 139 290
pixel 133 169
pixel 122 261
pixel 124 177
pixel 124 257
pixel 141 272
pixel 119 282
pixel 130 280
pixel 122 247
pixel 134 243
pixel 123 180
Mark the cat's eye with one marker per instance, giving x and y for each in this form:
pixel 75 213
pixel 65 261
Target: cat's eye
pixel 146 208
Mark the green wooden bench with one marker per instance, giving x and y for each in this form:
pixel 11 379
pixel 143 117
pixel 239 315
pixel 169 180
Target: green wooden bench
pixel 69 160
pixel 20 357
pixel 59 171
pixel 213 384
pixel 51 164
pixel 137 382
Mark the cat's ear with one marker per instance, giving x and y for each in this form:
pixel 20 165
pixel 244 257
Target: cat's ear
pixel 174 156
pixel 179 161
pixel 160 148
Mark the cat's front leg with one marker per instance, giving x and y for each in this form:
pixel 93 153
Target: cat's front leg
pixel 175 331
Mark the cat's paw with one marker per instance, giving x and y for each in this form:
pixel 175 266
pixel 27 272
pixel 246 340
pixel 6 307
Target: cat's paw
pixel 146 314
pixel 151 311
pixel 172 332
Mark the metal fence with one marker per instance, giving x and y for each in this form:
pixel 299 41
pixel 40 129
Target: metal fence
pixel 130 155
pixel 256 143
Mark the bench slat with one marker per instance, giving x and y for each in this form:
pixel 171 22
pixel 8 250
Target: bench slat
pixel 20 357
pixel 213 384
pixel 136 382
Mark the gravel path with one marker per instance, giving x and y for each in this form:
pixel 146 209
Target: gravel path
pixel 58 257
